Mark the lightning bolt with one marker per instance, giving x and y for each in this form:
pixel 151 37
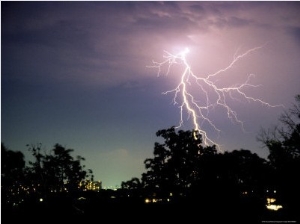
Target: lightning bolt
pixel 212 94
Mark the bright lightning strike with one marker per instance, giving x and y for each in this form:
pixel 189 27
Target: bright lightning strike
pixel 213 95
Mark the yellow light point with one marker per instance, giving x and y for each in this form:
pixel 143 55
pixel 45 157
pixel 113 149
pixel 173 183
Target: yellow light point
pixel 199 111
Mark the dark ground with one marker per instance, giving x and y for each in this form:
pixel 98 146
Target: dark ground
pixel 66 211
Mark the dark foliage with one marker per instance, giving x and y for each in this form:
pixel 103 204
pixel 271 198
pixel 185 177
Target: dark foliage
pixel 183 181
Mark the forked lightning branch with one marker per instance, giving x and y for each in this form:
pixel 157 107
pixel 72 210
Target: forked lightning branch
pixel 188 99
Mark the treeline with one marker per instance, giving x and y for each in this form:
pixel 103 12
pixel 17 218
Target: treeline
pixel 181 172
pixel 52 172
pixel 184 168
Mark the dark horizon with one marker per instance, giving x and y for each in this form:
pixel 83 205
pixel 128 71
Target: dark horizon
pixel 183 180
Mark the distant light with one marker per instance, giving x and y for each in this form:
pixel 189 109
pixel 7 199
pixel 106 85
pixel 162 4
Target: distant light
pixel 270 200
pixel 41 199
pixel 274 207
pixel 271 206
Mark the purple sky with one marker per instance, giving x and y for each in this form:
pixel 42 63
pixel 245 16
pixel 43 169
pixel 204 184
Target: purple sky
pixel 76 73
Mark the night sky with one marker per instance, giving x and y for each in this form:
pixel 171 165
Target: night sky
pixel 77 74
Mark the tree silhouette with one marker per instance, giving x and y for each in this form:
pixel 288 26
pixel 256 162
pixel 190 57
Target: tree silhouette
pixel 12 176
pixel 57 171
pixel 283 143
pixel 188 178
pixel 175 168
pixel 47 186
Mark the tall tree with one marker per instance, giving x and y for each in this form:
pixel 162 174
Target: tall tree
pixel 174 167
pixel 57 171
pixel 283 143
